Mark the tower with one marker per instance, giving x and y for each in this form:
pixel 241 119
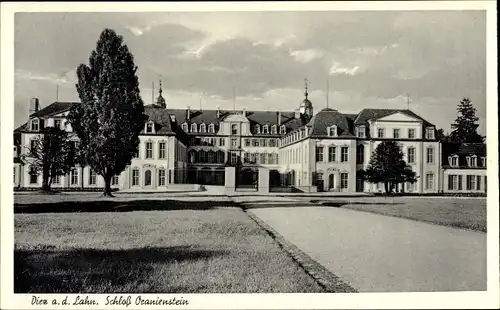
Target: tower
pixel 306 108
pixel 160 101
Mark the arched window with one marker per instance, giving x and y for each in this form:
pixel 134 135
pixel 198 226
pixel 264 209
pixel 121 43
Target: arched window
pixel 274 129
pixel 265 129
pixel 332 131
pixel 149 127
pixel 194 128
pixel 282 129
pixel 203 128
pixel 147 178
pixel 185 127
pixel 211 128
pixel 257 129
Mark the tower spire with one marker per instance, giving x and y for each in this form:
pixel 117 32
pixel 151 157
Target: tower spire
pixel 160 90
pixel 306 82
pixel 327 90
pixel 160 101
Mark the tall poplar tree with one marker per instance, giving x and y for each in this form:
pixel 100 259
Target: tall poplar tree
pixel 111 113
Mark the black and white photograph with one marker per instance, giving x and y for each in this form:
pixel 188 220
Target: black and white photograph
pixel 166 153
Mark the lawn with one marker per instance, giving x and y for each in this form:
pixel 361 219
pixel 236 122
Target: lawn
pixel 216 250
pixel 460 213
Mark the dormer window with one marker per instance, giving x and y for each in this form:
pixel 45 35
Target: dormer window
pixel 282 129
pixel 194 128
pixel 274 129
pixel 361 132
pixel 483 161
pixel 57 123
pixel 265 129
pixel 185 127
pixel 429 133
pixel 472 161
pixel 35 124
pixel 203 128
pixel 257 128
pixel 149 127
pixel 211 128
pixel 332 131
pixel 453 160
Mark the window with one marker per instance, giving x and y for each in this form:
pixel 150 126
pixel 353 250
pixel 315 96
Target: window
pixel 361 132
pixel 135 177
pixel 73 175
pixel 256 142
pixel 185 127
pixel 234 142
pixel 35 125
pixel 202 156
pixel 57 123
pixel 115 180
pixel 274 129
pixel 395 133
pixel 234 158
pixel 211 157
pixel 92 177
pixel 319 153
pixel 56 179
pixel 247 142
pixel 234 129
pixel 429 181
pixel 472 161
pixel 454 182
pixel 265 129
pixel 149 127
pixel 14 175
pixel 257 128
pixel 344 180
pixel 429 133
pixel 149 149
pixel 381 133
pixel 203 128
pixel 345 154
pixel 332 131
pixel 211 128
pixel 162 150
pixel 332 156
pixel 263 142
pixel 272 142
pixel 430 155
pixel 411 155
pixel 282 129
pixel 222 141
pixel 161 177
pixel 33 176
pixel 453 160
pixel 360 154
pixel 471 182
pixel 147 178
pixel 194 128
pixel 478 183
pixel 33 146
pixel 411 133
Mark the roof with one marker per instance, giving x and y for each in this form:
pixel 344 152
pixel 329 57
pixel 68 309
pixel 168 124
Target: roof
pixel 54 108
pixel 328 117
pixel 161 119
pixel 472 148
pixel 373 114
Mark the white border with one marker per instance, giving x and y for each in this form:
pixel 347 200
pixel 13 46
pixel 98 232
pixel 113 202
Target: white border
pixel 488 299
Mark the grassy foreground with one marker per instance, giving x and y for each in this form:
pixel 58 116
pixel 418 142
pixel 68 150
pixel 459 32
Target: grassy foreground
pixel 191 251
pixel 454 212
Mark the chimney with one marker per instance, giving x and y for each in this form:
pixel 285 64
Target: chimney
pixel 188 113
pixel 279 117
pixel 297 113
pixel 244 112
pixel 172 118
pixel 218 111
pixel 34 105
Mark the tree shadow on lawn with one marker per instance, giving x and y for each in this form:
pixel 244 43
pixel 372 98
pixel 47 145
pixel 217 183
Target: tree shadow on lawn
pixel 119 206
pixel 306 204
pixel 50 270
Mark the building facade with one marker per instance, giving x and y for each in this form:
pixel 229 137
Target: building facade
pixel 301 150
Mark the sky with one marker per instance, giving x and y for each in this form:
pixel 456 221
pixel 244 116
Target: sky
pixel 367 59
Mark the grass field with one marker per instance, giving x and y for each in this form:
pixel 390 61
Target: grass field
pixel 219 250
pixel 460 213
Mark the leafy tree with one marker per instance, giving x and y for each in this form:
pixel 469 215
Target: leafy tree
pixel 464 130
pixel 388 166
pixel 51 153
pixel 111 114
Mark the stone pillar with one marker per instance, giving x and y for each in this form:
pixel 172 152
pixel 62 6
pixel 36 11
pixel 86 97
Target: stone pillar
pixel 263 180
pixel 230 179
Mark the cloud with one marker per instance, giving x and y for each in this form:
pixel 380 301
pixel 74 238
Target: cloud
pixel 306 56
pixel 64 77
pixel 337 69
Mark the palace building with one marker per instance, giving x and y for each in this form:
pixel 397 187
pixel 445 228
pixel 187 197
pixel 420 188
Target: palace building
pixel 297 150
